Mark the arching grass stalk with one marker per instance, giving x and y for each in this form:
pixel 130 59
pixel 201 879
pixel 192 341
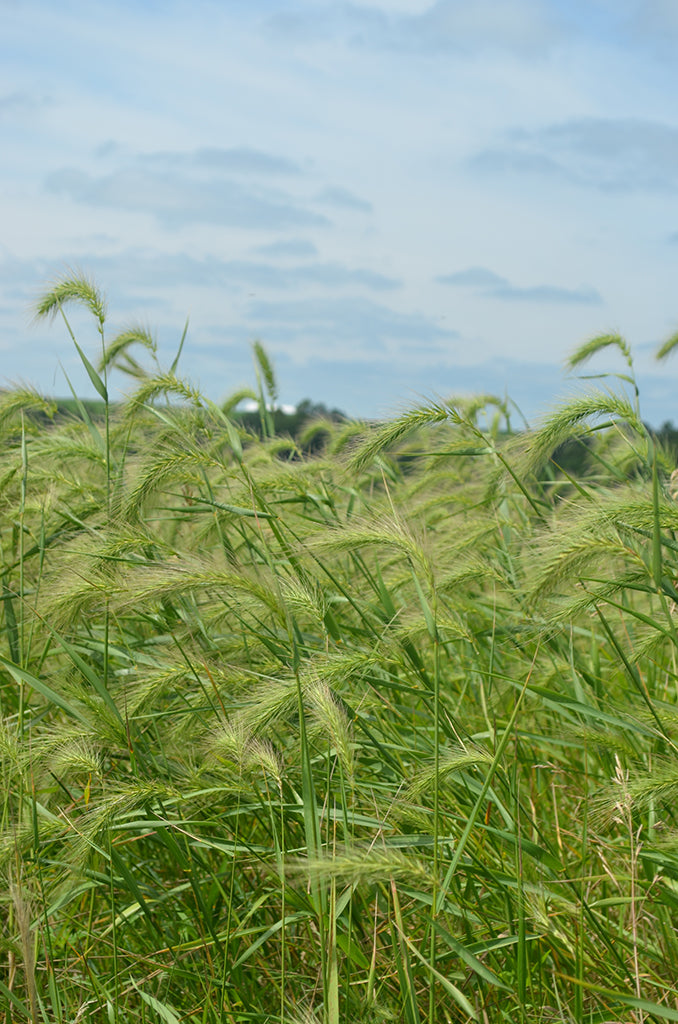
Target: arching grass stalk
pixel 22 511
pixel 436 820
pixel 580 943
pixel 18 653
pixel 283 903
pixel 430 617
pixel 78 289
pixel 332 1007
pixel 279 849
pixel 22 910
pixel 312 834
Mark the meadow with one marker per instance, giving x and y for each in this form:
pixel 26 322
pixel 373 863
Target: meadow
pixel 385 732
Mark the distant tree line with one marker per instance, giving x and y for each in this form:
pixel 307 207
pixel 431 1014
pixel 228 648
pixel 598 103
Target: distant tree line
pixel 285 424
pixel 573 457
pixel 290 423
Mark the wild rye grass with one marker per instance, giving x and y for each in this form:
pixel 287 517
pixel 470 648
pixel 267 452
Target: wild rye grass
pixel 384 734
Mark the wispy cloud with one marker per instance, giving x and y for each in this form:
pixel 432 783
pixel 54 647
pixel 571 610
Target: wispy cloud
pixel 655 22
pixel 344 200
pixel 20 104
pixel 293 248
pixel 521 27
pixel 201 186
pixel 357 325
pixel 148 272
pixel 473 277
pixel 172 270
pixel 610 154
pixel 239 160
pixel 494 286
pixel 549 294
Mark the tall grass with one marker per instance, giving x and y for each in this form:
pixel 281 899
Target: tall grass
pixel 388 733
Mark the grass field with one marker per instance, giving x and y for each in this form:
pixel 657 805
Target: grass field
pixel 388 733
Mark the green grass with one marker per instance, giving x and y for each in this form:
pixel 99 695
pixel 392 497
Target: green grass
pixel 387 733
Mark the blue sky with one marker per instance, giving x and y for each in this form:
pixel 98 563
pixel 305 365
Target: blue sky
pixel 397 197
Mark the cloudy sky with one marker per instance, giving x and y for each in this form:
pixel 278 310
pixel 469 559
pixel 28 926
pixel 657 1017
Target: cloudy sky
pixel 397 197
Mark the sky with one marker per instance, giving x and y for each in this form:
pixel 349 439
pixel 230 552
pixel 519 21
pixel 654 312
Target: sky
pixel 400 199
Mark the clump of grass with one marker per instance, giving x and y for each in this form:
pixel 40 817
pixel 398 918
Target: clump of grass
pixel 386 733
